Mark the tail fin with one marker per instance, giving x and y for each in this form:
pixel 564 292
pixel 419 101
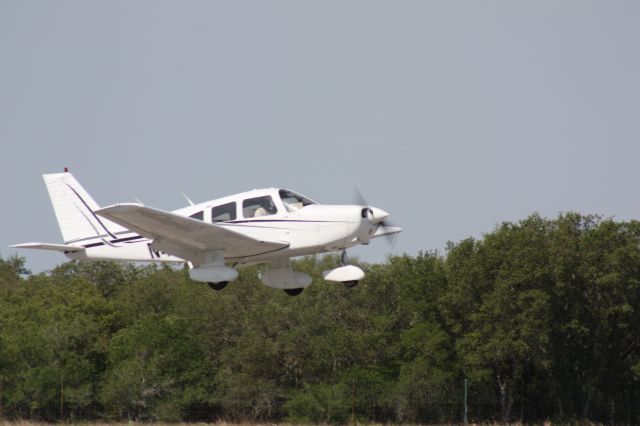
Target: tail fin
pixel 75 209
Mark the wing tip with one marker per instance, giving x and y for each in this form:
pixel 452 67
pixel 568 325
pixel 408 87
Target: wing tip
pixel 48 246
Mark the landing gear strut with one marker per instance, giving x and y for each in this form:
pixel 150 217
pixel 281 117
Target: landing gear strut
pixel 343 257
pixel 343 262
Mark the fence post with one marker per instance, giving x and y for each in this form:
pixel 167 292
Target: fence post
pixel 61 397
pixel 466 421
pixel 353 408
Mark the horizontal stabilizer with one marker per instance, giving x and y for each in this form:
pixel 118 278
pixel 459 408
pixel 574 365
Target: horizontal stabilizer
pixel 46 246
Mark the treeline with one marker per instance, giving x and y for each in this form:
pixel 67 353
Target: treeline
pixel 541 317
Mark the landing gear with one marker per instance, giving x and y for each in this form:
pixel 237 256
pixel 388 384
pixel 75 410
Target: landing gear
pixel 350 284
pixel 293 291
pixel 348 275
pixel 219 285
pixel 343 257
pixel 343 262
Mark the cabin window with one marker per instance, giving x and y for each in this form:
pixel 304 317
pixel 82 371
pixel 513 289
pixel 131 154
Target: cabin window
pixel 223 213
pixel 199 215
pixel 293 201
pixel 259 206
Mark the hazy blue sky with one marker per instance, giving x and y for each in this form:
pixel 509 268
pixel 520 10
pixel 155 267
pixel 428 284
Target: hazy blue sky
pixel 452 116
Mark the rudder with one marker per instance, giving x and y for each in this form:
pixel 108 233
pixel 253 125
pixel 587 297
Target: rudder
pixel 74 209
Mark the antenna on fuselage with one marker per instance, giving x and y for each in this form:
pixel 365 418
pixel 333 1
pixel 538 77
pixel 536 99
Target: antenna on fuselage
pixel 191 203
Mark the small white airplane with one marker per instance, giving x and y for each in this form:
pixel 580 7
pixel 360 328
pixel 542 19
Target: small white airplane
pixel 266 225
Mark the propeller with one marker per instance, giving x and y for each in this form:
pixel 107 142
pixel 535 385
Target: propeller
pixel 359 199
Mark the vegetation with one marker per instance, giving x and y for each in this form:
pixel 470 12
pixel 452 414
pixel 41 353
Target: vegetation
pixel 542 317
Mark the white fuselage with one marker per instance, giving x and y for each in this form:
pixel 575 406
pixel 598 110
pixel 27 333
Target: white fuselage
pixel 307 230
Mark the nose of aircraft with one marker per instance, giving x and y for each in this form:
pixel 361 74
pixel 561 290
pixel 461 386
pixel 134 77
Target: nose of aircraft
pixel 378 215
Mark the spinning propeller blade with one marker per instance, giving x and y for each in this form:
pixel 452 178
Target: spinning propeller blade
pixel 359 200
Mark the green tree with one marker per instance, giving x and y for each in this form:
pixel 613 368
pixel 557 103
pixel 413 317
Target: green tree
pixel 500 299
pixel 596 315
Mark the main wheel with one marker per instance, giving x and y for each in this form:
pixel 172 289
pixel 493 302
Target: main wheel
pixel 218 286
pixel 293 291
pixel 350 284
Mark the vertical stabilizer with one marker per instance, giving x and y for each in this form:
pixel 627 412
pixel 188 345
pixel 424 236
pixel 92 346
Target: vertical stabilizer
pixel 75 209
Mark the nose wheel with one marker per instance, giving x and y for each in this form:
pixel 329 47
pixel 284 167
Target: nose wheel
pixel 350 284
pixel 218 286
pixel 293 291
pixel 348 275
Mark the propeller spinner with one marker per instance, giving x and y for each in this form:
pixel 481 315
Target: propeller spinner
pixel 375 215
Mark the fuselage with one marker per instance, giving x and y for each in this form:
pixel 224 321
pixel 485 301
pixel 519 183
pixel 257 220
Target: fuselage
pixel 271 214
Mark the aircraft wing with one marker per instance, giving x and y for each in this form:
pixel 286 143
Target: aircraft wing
pixel 186 237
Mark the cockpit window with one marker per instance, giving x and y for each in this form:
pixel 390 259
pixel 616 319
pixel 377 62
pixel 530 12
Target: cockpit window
pixel 293 201
pixel 199 215
pixel 259 206
pixel 223 213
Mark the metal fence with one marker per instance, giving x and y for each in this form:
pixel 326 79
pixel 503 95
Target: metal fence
pixel 348 402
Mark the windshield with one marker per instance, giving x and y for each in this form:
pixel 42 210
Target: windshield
pixel 293 201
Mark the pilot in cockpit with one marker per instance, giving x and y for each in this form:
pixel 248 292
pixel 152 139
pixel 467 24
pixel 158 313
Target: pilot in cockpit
pixel 266 207
pixel 293 201
pixel 293 204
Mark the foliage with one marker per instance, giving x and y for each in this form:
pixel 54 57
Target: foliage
pixel 541 316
